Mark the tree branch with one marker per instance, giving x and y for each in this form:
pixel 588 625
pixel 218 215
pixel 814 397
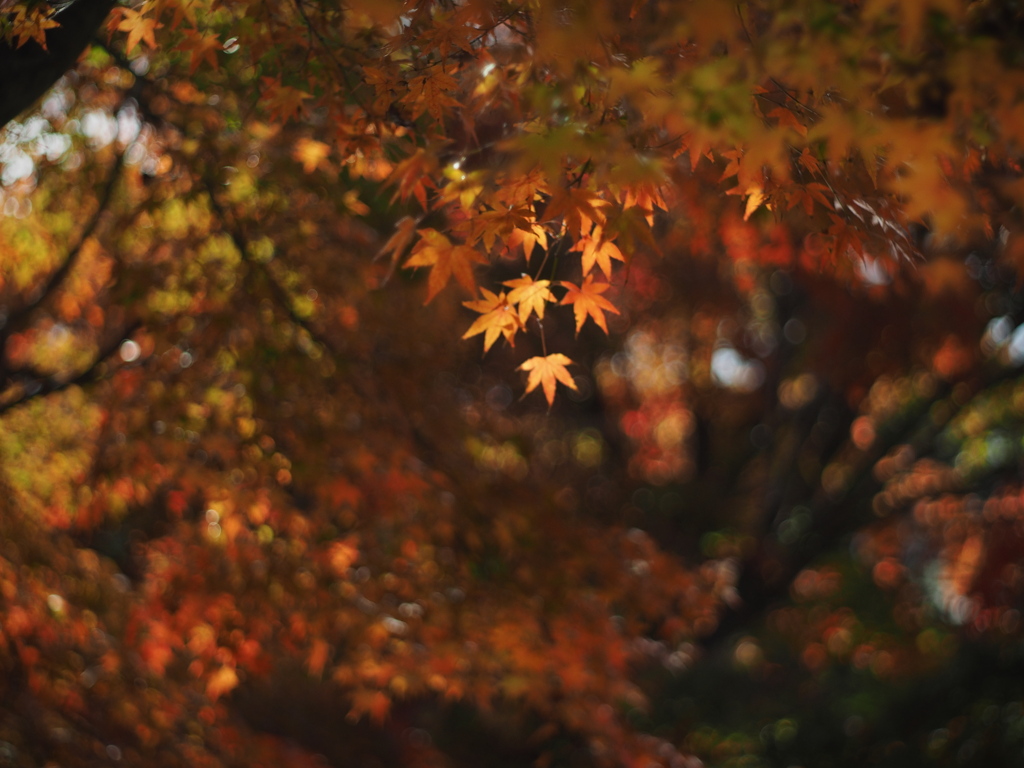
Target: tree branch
pixel 26 73
pixel 57 383
pixel 19 319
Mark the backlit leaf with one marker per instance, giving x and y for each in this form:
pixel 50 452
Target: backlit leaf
pixel 546 372
pixel 587 301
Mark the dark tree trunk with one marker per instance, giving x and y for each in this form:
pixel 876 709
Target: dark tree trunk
pixel 27 72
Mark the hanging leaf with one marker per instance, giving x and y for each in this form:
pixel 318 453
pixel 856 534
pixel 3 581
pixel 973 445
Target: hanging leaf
pixel 499 318
pixel 587 301
pixel 446 259
pixel 530 295
pixel 546 372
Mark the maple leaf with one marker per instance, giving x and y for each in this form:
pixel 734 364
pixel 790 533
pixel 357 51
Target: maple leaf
pixel 139 27
pixel 283 101
pixel 414 177
pixel 498 318
pixel 587 301
pixel 755 196
pixel 448 34
pixel 807 195
pixel 646 197
pixel 787 119
pixel 597 251
pixel 446 259
pixel 732 168
pixel 530 295
pixel 546 372
pixel 429 93
pixel 32 25
pixel 580 209
pixel 398 242
pixel 200 48
pixel 310 153
pixel 464 187
pixel 183 11
pixel 809 162
pixel 487 226
pixel 529 235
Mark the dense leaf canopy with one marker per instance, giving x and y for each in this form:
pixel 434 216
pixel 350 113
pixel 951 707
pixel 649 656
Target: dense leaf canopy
pixel 460 382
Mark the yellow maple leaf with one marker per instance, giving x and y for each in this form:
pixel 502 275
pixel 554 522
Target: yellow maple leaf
pixel 546 372
pixel 530 295
pixel 310 153
pixel 755 196
pixel 446 259
pixel 587 301
pixel 498 318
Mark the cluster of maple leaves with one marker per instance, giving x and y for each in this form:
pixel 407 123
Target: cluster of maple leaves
pixel 499 133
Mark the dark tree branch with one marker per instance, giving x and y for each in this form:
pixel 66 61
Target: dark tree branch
pixel 26 73
pixel 57 383
pixel 838 515
pixel 19 319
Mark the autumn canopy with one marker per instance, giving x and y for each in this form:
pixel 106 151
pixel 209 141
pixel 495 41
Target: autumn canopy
pixel 511 382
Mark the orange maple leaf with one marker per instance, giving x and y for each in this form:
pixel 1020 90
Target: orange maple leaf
pixel 531 296
pixel 587 301
pixel 414 176
pixel 283 101
pixel 787 119
pixel 547 371
pixel 449 34
pixel 310 153
pixel 32 25
pixel 429 93
pixel 646 197
pixel 139 27
pixel 183 12
pixel 498 318
pixel 579 208
pixel 446 259
pixel 398 242
pixel 598 251
pixel 200 48
pixel 527 235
